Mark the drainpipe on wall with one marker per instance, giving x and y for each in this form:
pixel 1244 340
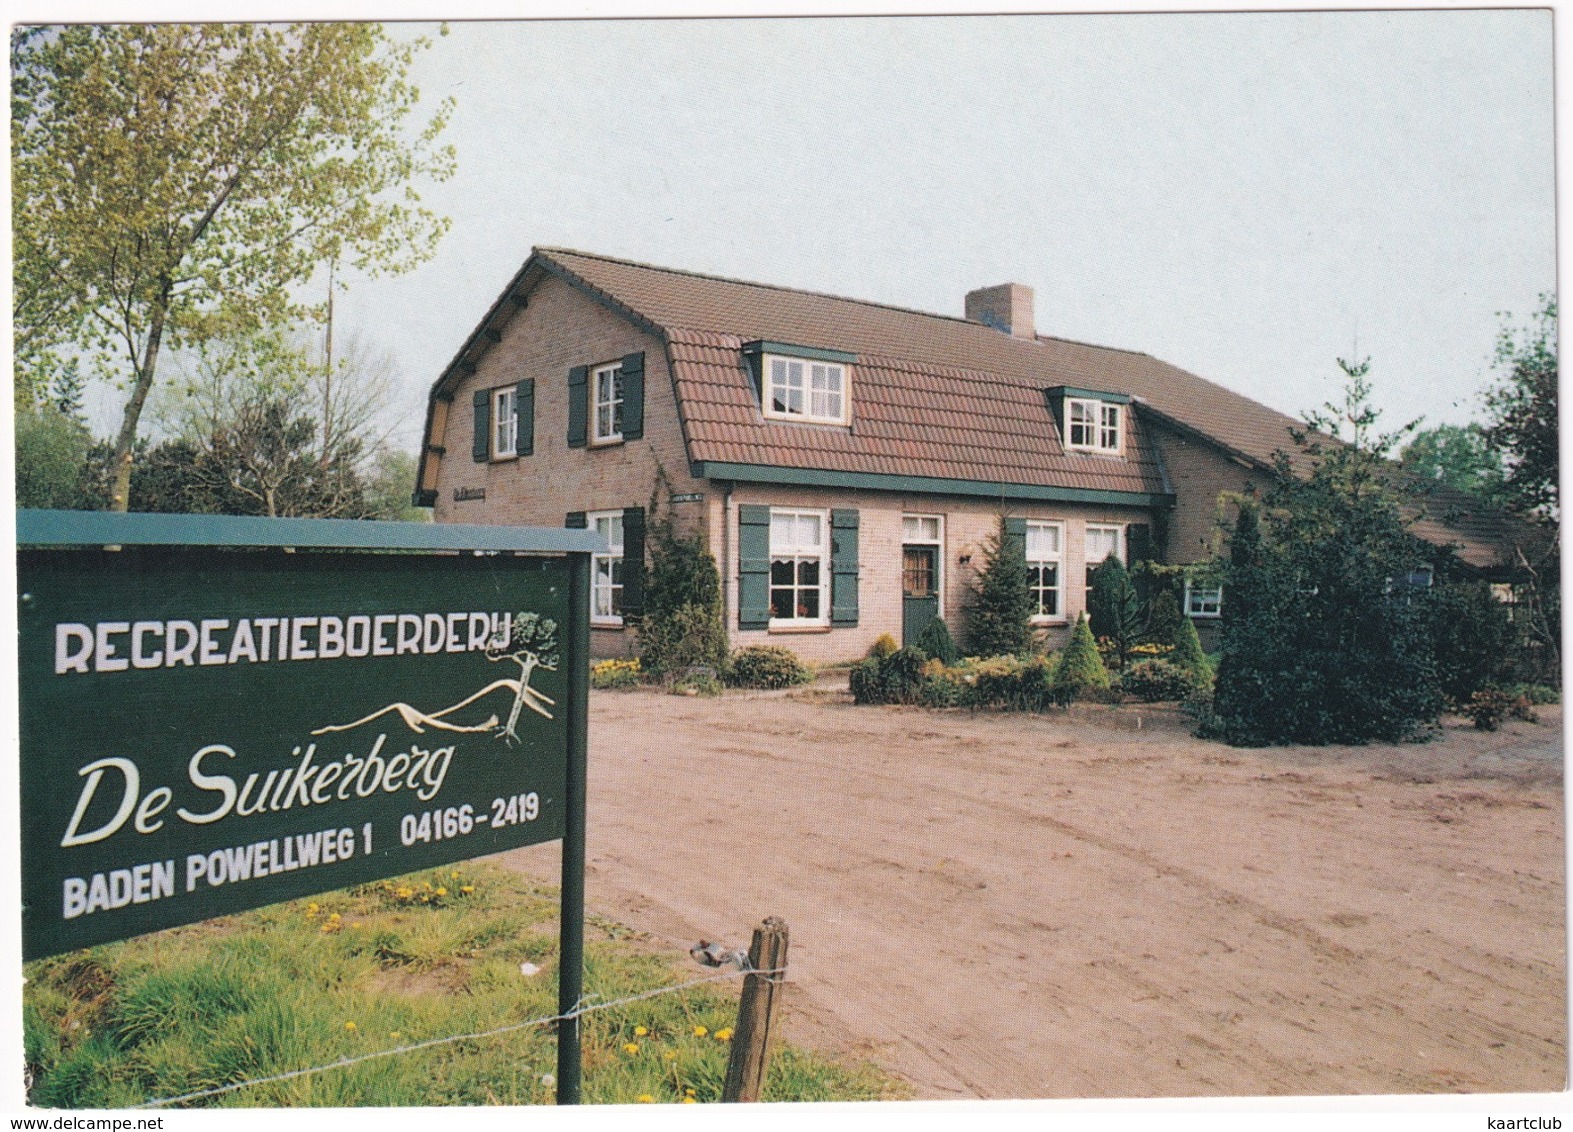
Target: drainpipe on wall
pixel 728 573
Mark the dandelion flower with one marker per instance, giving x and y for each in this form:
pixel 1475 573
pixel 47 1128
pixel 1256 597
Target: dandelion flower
pixel 689 1100
pixel 700 1031
pixel 453 876
pixel 335 917
pixel 396 1035
pixel 689 1092
pixel 724 1035
pixel 669 1055
pixel 466 888
pixel 442 892
pixel 351 1027
pixel 630 1048
pixel 646 1098
pixel 640 1031
pixel 311 909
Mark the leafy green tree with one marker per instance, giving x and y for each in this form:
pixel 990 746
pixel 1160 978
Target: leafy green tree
pixel 1522 413
pixel 1324 640
pixel 1001 605
pixel 1114 608
pixel 51 451
pixel 1455 456
pixel 174 183
pixel 1471 636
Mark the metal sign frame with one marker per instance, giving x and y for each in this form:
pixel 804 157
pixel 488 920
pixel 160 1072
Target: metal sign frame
pixel 139 627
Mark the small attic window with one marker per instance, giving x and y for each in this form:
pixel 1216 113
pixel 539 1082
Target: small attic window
pixel 801 383
pixel 1092 426
pixel 1089 421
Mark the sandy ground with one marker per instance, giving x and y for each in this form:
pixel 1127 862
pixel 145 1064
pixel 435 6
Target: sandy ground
pixel 1099 905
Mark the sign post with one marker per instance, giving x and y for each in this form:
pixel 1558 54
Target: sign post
pixel 219 713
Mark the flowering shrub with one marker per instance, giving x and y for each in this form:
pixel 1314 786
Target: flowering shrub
pixel 615 673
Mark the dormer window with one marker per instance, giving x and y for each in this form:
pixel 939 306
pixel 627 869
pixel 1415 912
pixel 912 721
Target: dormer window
pixel 801 383
pixel 1089 420
pixel 1092 426
pixel 810 391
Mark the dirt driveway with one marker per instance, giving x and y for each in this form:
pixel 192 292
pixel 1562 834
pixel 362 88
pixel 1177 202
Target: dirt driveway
pixel 1066 906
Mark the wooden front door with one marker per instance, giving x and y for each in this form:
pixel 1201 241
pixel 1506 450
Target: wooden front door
pixel 919 590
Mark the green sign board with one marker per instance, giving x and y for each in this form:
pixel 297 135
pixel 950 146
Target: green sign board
pixel 227 721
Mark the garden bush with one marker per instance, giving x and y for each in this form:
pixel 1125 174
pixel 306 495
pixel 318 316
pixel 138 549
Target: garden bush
pixel 1080 669
pixel 935 640
pixel 1471 637
pixel 883 646
pixel 894 679
pixel 1153 680
pixel 1490 706
pixel 1163 619
pixel 766 666
pixel 1188 654
pixel 615 673
pixel 1114 608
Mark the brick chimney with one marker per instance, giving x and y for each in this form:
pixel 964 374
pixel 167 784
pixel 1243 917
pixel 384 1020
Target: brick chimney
pixel 1007 308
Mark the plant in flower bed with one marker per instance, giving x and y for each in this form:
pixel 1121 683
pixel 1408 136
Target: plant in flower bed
pixel 766 666
pixel 459 950
pixel 1152 681
pixel 615 673
pixel 1488 707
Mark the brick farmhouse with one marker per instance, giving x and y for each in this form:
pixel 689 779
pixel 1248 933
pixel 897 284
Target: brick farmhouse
pixel 845 461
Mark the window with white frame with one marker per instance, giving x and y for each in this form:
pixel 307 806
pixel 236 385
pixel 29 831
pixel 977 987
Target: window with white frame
pixel 804 390
pixel 1103 540
pixel 1092 426
pixel 606 570
pixel 799 571
pixel 1203 599
pixel 505 422
pixel 607 390
pixel 1045 559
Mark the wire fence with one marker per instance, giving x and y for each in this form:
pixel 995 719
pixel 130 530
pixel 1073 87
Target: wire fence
pixel 582 1008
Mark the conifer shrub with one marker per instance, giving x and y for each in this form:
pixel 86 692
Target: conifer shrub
pixel 1080 669
pixel 1001 605
pixel 682 625
pixel 1188 655
pixel 1114 608
pixel 1164 618
pixel 766 666
pixel 935 640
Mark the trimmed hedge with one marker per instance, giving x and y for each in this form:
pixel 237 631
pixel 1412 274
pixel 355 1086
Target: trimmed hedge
pixel 766 666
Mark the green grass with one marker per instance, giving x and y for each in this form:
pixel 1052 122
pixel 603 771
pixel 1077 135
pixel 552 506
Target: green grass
pixel 371 968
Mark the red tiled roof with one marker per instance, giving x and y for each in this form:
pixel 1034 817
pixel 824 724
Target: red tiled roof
pixel 939 396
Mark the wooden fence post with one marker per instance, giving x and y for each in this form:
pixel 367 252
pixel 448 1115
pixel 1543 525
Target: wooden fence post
pixel 756 1013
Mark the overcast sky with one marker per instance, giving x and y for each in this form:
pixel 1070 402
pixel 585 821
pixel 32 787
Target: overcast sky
pixel 1249 196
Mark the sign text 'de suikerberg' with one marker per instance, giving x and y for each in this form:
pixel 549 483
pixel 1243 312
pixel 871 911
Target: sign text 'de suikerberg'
pixel 181 759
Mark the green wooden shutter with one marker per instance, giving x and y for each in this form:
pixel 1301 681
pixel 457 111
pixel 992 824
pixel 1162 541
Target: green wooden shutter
pixel 576 521
pixel 1016 537
pixel 753 566
pixel 481 448
pixel 844 567
pixel 1138 543
pixel 633 561
pixel 578 405
pixel 633 396
pixel 524 407
pixel 1138 549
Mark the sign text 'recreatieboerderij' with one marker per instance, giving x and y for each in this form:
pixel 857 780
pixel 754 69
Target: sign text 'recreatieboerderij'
pixel 205 731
